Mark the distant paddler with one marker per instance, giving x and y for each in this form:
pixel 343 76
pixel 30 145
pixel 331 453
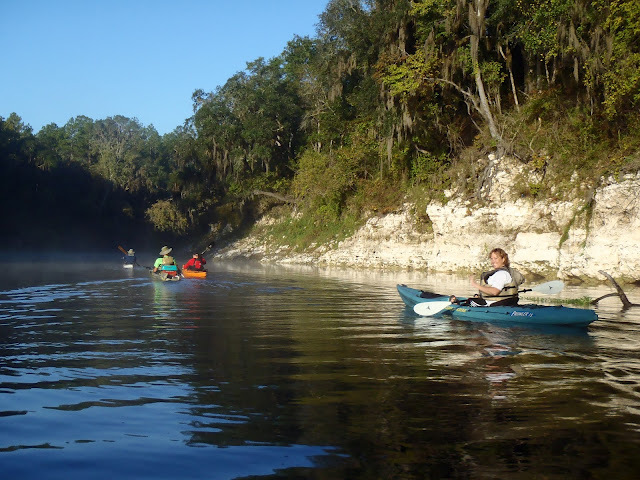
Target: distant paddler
pixel 129 259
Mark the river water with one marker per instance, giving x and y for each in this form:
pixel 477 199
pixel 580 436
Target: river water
pixel 277 372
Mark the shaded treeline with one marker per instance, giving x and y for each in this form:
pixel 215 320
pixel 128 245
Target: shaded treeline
pixel 59 189
pixel 389 96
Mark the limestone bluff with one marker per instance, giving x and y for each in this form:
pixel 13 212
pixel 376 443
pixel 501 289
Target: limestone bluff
pixel 552 239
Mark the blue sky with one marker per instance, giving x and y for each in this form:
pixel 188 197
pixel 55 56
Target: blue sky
pixel 137 58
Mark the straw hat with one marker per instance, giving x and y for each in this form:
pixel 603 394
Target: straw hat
pixel 165 250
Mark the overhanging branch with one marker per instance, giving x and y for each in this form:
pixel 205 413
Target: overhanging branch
pixel 277 196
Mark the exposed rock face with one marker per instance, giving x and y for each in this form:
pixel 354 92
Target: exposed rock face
pixel 567 239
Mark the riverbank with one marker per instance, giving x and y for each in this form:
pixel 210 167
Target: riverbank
pixel 599 229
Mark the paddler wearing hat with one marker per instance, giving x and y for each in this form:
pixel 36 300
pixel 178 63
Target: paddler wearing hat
pixel 130 257
pixel 163 259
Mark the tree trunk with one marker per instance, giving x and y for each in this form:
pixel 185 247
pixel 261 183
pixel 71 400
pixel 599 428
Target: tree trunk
pixel 477 11
pixel 508 58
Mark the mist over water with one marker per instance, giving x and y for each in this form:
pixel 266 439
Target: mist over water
pixel 283 372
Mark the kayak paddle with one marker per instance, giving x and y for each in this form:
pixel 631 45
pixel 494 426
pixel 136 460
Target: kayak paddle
pixel 428 309
pixel 549 288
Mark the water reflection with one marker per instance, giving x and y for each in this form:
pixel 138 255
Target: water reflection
pixel 164 300
pixel 303 373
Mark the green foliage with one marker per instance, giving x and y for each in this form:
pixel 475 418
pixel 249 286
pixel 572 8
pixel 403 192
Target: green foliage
pixel 228 214
pixel 535 188
pixel 407 76
pixel 251 124
pixel 313 229
pixel 429 169
pixel 52 144
pixel 535 23
pixel 166 217
pixel 420 196
pixel 566 147
pixel 431 18
pixel 586 212
pixel 244 187
pixel 323 180
pixel 380 195
pixel 622 78
pixel 493 74
pixel 581 301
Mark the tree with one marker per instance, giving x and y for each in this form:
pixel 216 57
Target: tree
pixel 621 75
pixel 250 125
pixel 78 133
pixel 118 143
pixel 166 217
pixel 52 144
pixel 17 142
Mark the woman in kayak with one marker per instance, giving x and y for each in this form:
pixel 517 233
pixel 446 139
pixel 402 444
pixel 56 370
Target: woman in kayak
pixel 497 287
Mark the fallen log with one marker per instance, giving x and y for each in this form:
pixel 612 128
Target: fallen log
pixel 620 293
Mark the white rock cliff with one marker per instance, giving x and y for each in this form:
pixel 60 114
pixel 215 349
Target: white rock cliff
pixel 563 239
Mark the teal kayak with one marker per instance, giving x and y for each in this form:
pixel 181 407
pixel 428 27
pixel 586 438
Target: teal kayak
pixel 530 314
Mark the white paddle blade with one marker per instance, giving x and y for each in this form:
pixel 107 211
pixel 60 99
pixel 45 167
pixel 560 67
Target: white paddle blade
pixel 427 309
pixel 550 287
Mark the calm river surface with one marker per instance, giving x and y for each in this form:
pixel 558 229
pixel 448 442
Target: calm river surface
pixel 275 372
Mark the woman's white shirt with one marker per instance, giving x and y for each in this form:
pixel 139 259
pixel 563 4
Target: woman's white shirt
pixel 499 279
